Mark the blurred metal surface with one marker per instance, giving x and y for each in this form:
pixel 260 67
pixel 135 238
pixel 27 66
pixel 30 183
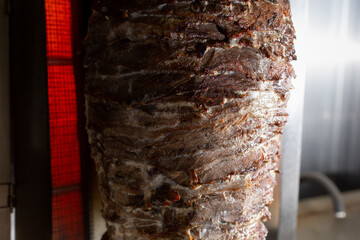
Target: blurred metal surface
pixel 30 148
pixel 5 170
pixel 292 138
pixel 328 49
pixel 331 136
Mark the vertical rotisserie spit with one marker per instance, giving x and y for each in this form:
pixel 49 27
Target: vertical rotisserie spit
pixel 185 108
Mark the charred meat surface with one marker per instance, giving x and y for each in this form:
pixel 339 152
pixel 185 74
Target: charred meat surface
pixel 185 109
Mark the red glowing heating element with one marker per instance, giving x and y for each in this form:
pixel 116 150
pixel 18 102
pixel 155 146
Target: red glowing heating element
pixel 67 207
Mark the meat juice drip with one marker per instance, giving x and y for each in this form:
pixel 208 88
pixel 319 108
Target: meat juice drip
pixel 185 106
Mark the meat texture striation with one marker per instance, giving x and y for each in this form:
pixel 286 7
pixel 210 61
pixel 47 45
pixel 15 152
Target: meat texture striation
pixel 185 109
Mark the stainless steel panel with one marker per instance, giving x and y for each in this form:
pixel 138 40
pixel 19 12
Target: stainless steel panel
pixel 4 96
pixel 5 176
pixel 292 138
pixel 30 120
pixel 331 141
